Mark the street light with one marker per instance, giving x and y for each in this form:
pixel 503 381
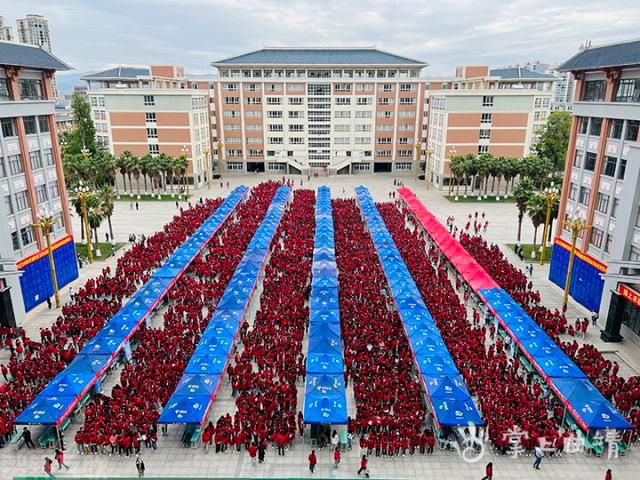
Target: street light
pixel 45 222
pixel 452 152
pixel 185 151
pixel 417 147
pixel 427 169
pixel 551 196
pixel 220 160
pixel 83 192
pixel 206 152
pixel 576 225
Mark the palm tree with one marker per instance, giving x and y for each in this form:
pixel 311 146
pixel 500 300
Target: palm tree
pixel 106 196
pixel 153 170
pixel 495 170
pixel 470 170
pixel 95 216
pixel 181 167
pixel 537 211
pixel 145 164
pixel 456 165
pixel 134 168
pixel 483 166
pixel 121 165
pixel 510 170
pixel 522 193
pixel 164 166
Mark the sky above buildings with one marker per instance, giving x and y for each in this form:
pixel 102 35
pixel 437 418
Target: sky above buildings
pixel 91 35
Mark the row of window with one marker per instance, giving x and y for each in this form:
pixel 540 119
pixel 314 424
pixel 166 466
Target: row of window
pixel 611 167
pixel 593 126
pixel 315 73
pixel 37 159
pixel 627 90
pixel 30 89
pixel 43 194
pixel 32 125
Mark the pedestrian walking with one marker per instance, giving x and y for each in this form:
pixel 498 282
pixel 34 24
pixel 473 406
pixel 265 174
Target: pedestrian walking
pixel 594 318
pixel 336 457
pixel 312 461
pixel 140 466
pixel 137 206
pixel 538 454
pixel 488 471
pixel 26 435
pixel 262 450
pixel 608 475
pixel 48 463
pixel 364 466
pixel 49 302
pixel 177 206
pixel 253 452
pixel 60 459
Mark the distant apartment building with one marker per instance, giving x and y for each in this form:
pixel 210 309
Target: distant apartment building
pixel 480 110
pixel 153 110
pixel 6 33
pixel 602 185
pixel 563 88
pixel 304 110
pixel 31 180
pixel 34 30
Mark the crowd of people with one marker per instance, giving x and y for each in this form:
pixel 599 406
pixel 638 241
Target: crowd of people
pixel 390 407
pixel 509 400
pixel 33 363
pixel 128 417
pixel 625 393
pixel 264 373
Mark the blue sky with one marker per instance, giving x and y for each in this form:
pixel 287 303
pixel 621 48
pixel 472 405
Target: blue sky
pixel 91 35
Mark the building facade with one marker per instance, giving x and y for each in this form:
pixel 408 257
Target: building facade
pixel 6 32
pixel 563 88
pixel 153 110
pixel 287 110
pixel 31 175
pixel 602 186
pixel 480 110
pixel 34 30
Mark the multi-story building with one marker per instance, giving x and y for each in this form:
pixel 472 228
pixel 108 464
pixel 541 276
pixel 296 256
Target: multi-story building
pixel 6 33
pixel 31 179
pixel 153 110
pixel 602 186
pixel 317 110
pixel 480 110
pixel 34 30
pixel 563 88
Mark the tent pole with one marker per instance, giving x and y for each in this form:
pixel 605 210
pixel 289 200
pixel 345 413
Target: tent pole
pixel 58 435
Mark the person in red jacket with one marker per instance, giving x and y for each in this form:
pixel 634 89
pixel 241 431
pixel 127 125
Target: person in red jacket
pixel 488 471
pixel 336 457
pixel 608 475
pixel 364 466
pixel 253 451
pixel 312 461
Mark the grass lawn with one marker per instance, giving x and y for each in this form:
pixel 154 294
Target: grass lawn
pixel 147 197
pixel 105 250
pixel 474 199
pixel 527 247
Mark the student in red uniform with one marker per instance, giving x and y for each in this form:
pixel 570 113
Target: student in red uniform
pixel 312 461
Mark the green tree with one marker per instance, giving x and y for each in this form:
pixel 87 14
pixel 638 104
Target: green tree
pixel 131 165
pixel 510 170
pixel 145 166
pixel 180 165
pixel 554 139
pixel 106 197
pixel 85 131
pixel 483 166
pixel 92 201
pixel 471 165
pixel 537 211
pixel 165 165
pixel 456 165
pixel 495 170
pixel 95 215
pixel 103 164
pixel 522 193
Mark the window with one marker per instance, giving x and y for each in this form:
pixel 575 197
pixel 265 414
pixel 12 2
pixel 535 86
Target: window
pixel 53 191
pixel 632 130
pixel 615 128
pixel 254 139
pixel 584 125
pixel 602 203
pixel 385 101
pixel 231 100
pixel 48 157
pixel 276 128
pixel 590 161
pixel 15 164
pixel 341 141
pixel 407 101
pixel 231 87
pixel 609 166
pixel 154 148
pixel 383 141
pixel 384 114
pixel 614 208
pixel 585 193
pixel 150 117
pixel 364 114
pixel 296 101
pixel 628 90
pixel 152 133
pixel 387 87
pixel 486 118
pixel 253 114
pixel 634 254
pixel 27 236
pixel 596 237
pixel 596 126
pixel 622 168
pixel 487 101
pixel 276 141
pixel 296 140
pixel 363 128
pixel 30 89
pixel 594 90
pixel 274 101
pixel 15 240
pixel 149 100
pixel 483 149
pixel 485 133
pixel 608 243
pixel 403 141
pixel 30 125
pixel 343 101
pixel 43 123
pixel 21 201
pixel 8 205
pixel 8 127
pixel 407 87
pixel 35 159
pixel 342 87
pixel 296 128
pixel 5 94
pixel 274 114
pixel 342 128
pixel 365 101
pixel 254 101
pixel 41 193
pixel 363 141
pixel 573 190
pixel 577 159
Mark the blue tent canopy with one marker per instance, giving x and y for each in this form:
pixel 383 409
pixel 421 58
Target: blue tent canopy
pixel 102 344
pixel 68 384
pixel 326 345
pixel 325 330
pixel 185 409
pixel 324 316
pixel 221 329
pixel 430 346
pixel 436 365
pixel 45 410
pixel 325 410
pixel 456 412
pixel 325 363
pixel 215 346
pixel 204 363
pixel 88 363
pixel 539 347
pixel 446 387
pixel 324 386
pixel 559 365
pixel 324 282
pixel 193 385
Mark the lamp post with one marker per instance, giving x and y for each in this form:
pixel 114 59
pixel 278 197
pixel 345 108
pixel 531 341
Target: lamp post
pixel 550 195
pixel 206 152
pixel 45 222
pixel 427 168
pixel 185 152
pixel 453 151
pixel 83 192
pixel 576 225
pixel 417 147
pixel 220 160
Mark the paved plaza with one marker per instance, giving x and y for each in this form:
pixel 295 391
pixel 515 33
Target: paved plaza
pixel 172 460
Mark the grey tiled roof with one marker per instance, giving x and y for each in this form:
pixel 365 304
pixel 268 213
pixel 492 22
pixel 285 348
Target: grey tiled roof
pixel 20 55
pixel 519 73
pixel 320 56
pixel 119 72
pixel 618 55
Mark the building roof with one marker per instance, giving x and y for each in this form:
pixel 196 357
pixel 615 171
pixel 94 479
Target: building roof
pixel 120 72
pixel 319 56
pixel 616 55
pixel 21 55
pixel 519 73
